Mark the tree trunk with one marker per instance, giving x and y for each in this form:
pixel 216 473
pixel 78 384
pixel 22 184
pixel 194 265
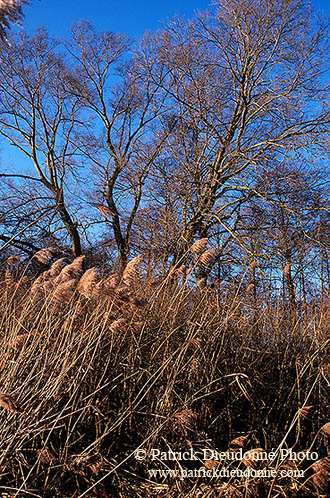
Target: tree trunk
pixel 70 225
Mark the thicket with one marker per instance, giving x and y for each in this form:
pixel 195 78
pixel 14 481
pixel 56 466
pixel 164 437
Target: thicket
pixel 94 367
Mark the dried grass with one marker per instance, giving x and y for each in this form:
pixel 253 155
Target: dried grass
pixel 207 257
pixel 130 271
pixel 118 326
pixel 185 418
pixel 9 403
pixel 44 256
pixel 116 365
pixel 88 282
pixel 321 477
pixel 199 246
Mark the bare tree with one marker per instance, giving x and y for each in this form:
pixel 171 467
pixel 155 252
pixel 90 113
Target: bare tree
pixel 10 12
pixel 179 134
pixel 246 81
pixel 124 138
pixel 37 117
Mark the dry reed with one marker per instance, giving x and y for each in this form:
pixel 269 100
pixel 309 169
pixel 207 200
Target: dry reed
pixel 207 257
pixel 44 255
pixel 9 403
pixel 130 271
pixel 88 282
pixel 321 477
pixel 199 246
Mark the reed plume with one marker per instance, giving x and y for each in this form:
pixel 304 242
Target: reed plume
pixel 211 464
pixel 201 283
pixel 22 340
pixel 9 403
pixel 72 271
pixel 305 412
pixel 112 280
pixel 321 477
pixel 195 343
pixel 12 260
pixel 252 265
pixel 118 325
pixel 96 467
pixel 10 12
pixel 199 246
pixel 286 270
pixel 68 324
pixel 251 457
pixel 138 302
pixel 8 277
pixel 123 293
pixel 44 255
pixel 185 418
pixel 238 442
pixel 98 290
pixel 325 430
pixel 250 288
pixel 56 268
pixel 88 282
pixel 325 370
pixel 110 284
pixel 130 272
pixel 104 210
pixel 233 492
pixel 45 456
pixel 207 257
pixel 64 291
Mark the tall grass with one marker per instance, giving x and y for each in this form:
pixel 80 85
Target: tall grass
pixel 93 368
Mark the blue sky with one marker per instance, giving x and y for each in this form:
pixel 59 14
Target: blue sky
pixel 129 16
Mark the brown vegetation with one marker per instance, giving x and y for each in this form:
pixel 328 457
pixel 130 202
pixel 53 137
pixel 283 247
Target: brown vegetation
pixel 164 269
pixel 102 376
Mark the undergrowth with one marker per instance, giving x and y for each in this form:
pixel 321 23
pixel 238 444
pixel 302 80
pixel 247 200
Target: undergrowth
pixel 95 369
